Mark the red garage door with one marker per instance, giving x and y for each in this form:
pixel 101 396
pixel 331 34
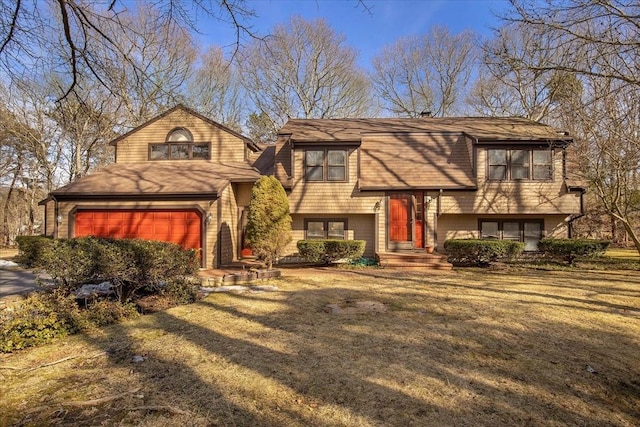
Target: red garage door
pixel 181 227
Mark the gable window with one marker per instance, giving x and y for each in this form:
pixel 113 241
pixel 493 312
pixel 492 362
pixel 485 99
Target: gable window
pixel 325 229
pixel 179 145
pixel 325 165
pixel 527 231
pixel 519 164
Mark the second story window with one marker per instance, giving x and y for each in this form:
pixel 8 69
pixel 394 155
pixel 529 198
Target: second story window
pixel 179 145
pixel 325 165
pixel 519 164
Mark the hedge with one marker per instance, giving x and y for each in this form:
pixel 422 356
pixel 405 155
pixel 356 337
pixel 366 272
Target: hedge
pixel 30 249
pixel 129 264
pixel 330 251
pixel 481 252
pixel 569 249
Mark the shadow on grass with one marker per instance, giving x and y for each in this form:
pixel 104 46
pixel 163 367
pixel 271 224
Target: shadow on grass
pixel 437 358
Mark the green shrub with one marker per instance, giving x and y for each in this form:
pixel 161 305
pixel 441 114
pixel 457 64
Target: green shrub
pixel 180 291
pixel 43 317
pixel 30 250
pixel 37 320
pixel 129 264
pixel 569 249
pixel 269 220
pixel 330 251
pixel 72 262
pixel 481 252
pixel 312 250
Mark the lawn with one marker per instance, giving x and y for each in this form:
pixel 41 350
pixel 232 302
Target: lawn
pixel 467 348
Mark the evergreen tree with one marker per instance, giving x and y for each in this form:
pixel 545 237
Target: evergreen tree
pixel 269 222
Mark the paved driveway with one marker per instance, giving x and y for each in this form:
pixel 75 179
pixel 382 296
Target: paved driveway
pixel 16 281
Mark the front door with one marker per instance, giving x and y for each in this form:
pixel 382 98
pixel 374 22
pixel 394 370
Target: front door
pixel 400 221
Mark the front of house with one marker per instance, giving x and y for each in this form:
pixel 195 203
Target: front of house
pixel 398 184
pixel 404 184
pixel 179 177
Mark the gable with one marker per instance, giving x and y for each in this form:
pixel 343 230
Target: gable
pixel 415 161
pixel 225 144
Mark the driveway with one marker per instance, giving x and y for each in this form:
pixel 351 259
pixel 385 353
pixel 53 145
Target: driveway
pixel 15 281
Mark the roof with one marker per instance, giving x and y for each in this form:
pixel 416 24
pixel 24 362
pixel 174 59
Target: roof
pixel 416 161
pixel 252 145
pixel 483 129
pixel 159 179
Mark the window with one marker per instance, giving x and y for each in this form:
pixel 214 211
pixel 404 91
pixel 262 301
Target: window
pixel 519 164
pixel 179 151
pixel 527 231
pixel 179 135
pixel 542 164
pixel 325 165
pixel 325 229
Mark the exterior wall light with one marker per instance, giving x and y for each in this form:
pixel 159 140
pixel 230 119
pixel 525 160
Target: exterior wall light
pixel 208 219
pixel 59 219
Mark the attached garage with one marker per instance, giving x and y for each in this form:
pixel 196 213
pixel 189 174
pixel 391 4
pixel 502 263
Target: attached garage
pixel 183 227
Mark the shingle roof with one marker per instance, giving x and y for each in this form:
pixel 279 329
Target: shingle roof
pixel 482 128
pixel 416 161
pixel 426 153
pixel 159 178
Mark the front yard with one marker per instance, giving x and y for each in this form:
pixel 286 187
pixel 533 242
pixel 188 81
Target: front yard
pixel 469 347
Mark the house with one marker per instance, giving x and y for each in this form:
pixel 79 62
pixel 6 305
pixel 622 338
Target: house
pixel 179 177
pixel 405 184
pixel 401 185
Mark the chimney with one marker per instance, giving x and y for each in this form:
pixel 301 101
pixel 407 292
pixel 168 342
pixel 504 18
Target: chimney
pixel 425 114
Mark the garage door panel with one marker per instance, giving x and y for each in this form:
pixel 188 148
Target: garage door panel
pixel 181 227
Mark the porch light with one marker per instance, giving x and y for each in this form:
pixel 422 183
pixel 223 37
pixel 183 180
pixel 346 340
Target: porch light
pixel 376 207
pixel 208 219
pixel 59 219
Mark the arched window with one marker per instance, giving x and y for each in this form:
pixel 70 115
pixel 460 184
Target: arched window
pixel 180 135
pixel 179 145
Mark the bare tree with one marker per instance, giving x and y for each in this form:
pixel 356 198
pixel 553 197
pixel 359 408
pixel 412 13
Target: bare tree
pixel 214 89
pixel 89 29
pixel 304 70
pixel 513 80
pixel 423 73
pixel 603 36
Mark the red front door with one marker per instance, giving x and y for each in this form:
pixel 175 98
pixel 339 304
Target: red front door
pixel 406 222
pixel 400 230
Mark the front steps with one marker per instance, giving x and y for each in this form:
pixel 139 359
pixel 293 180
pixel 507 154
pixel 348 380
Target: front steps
pixel 413 260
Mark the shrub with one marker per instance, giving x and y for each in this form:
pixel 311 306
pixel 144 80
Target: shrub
pixel 329 251
pixel 128 264
pixel 31 249
pixel 569 249
pixel 269 221
pixel 312 250
pixel 43 317
pixel 37 320
pixel 481 252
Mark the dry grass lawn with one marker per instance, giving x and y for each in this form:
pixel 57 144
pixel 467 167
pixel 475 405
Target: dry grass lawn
pixel 465 348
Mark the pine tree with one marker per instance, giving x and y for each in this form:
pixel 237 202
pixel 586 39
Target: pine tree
pixel 269 222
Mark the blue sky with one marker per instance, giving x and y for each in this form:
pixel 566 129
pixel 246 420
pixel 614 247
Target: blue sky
pixel 368 33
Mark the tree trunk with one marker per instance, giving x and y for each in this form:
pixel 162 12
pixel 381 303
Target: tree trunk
pixel 7 203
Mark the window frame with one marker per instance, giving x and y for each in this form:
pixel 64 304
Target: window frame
pixel 528 163
pixel 521 228
pixel 326 166
pixel 174 145
pixel 325 227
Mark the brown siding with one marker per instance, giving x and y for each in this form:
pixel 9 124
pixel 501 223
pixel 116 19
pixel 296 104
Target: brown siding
pixel 359 227
pixel 228 226
pixel 466 226
pixel 513 197
pixel 50 218
pixel 330 197
pixel 225 147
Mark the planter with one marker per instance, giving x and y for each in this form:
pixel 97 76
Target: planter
pixel 246 252
pixel 429 249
